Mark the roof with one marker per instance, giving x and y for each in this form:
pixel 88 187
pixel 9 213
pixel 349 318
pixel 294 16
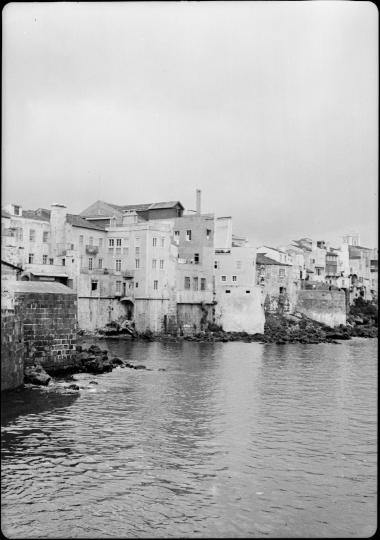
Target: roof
pixel 43 287
pixel 11 265
pixel 261 258
pixel 146 206
pixel 274 249
pixel 41 214
pixel 77 221
pixel 5 214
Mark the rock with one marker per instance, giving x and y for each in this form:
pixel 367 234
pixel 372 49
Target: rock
pixel 94 349
pixel 36 375
pixel 116 361
pixel 139 366
pixel 73 387
pixel 92 382
pixel 358 320
pixel 161 369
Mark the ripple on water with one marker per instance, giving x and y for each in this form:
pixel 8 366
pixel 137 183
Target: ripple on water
pixel 232 439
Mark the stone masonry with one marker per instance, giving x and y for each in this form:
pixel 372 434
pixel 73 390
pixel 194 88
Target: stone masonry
pixel 12 350
pixel 49 316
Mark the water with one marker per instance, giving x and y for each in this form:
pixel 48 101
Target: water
pixel 232 440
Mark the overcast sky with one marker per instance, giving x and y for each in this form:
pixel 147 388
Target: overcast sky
pixel 270 108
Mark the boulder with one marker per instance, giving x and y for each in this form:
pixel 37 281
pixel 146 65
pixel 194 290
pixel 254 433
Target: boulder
pixel 73 387
pixel 36 375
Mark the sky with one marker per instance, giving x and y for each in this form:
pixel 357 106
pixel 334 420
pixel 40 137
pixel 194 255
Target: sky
pixel 270 108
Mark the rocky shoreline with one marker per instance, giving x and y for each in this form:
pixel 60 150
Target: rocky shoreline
pixel 279 329
pixel 93 360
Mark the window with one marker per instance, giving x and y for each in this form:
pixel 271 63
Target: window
pixel 90 263
pixel 155 284
pixel 118 242
pixel 31 258
pixel 137 263
pixel 247 292
pixel 137 252
pixel 91 241
pixel 137 241
pixel 100 242
pixel 188 235
pixel 17 210
pixel 63 262
pixel 94 285
pixel 20 234
pixel 137 285
pixel 203 284
pixel 187 283
pixel 51 261
pixel 228 291
pixel 72 247
pixel 32 235
pixel 44 259
pixel 161 264
pixel 215 264
pixel 154 242
pixel 118 265
pixel 81 240
pixel 118 286
pixel 100 263
pixel 234 278
pixel 238 265
pixel 319 272
pixel 195 283
pixel 176 237
pixel 196 258
pixel 224 278
pixel 162 241
pixel 281 272
pixel 45 236
pixel 208 234
pixel 154 263
pixel 111 242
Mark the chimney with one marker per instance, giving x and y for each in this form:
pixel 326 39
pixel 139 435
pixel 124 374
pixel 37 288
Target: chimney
pixel 58 214
pixel 198 202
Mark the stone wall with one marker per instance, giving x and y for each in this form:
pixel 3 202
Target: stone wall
pixel 328 307
pixel 48 315
pixel 12 350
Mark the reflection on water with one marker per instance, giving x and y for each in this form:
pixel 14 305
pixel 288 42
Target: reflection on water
pixel 233 439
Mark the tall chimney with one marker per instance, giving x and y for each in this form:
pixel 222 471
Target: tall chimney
pixel 198 202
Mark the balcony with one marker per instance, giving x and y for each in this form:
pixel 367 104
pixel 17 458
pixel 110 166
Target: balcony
pixel 128 274
pixel 92 250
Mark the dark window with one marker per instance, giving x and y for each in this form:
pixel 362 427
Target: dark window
pixel 196 258
pixel 94 285
pixel 63 262
pixel 247 292
pixel 187 283
pixel 227 291
pixel 203 284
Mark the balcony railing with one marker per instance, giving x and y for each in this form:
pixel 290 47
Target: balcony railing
pixel 92 250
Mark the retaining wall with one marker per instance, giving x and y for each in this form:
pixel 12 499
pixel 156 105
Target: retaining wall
pixel 328 307
pixel 12 350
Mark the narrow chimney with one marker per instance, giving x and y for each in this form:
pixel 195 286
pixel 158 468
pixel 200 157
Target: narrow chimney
pixel 198 202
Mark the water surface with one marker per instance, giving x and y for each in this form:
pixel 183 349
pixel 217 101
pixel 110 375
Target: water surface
pixel 231 440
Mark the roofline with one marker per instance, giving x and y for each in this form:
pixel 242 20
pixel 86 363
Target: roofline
pixel 11 265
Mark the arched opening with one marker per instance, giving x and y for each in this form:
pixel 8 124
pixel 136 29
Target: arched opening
pixel 129 309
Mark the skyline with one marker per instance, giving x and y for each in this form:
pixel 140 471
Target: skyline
pixel 270 109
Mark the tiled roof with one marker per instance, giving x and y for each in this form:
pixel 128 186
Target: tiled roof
pixel 261 258
pixel 40 214
pixel 77 221
pixel 43 214
pixel 147 206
